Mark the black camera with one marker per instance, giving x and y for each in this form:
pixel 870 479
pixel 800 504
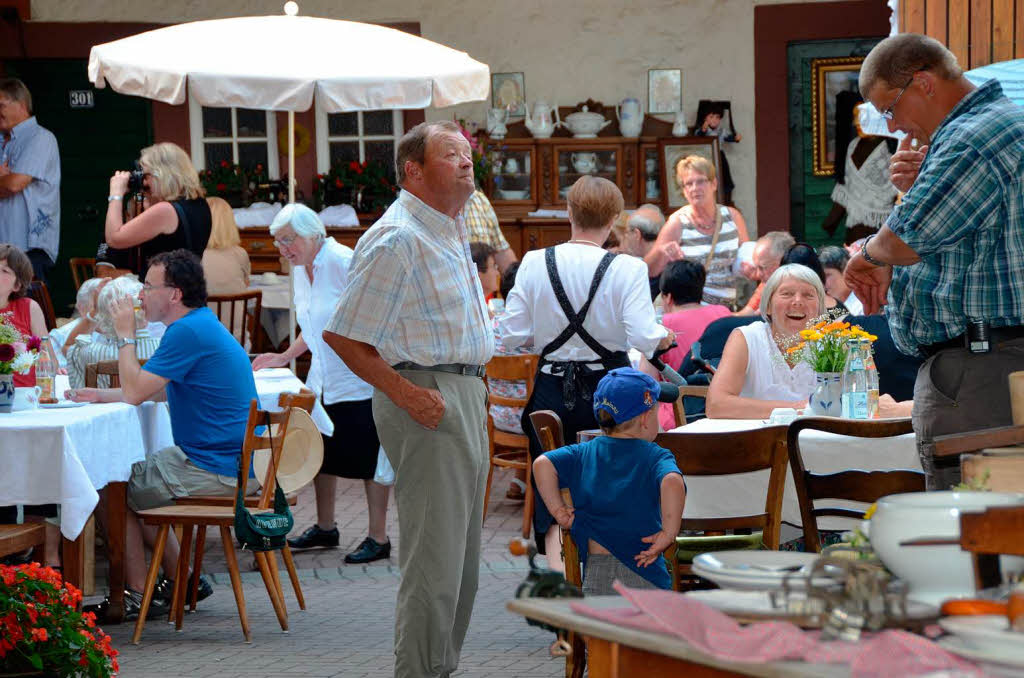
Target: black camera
pixel 135 177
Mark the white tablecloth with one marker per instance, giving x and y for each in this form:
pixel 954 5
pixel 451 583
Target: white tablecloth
pixel 274 306
pixel 744 493
pixel 272 382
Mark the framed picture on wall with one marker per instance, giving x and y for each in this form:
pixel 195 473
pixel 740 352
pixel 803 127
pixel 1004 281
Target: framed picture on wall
pixel 669 153
pixel 508 91
pixel 829 77
pixel 664 90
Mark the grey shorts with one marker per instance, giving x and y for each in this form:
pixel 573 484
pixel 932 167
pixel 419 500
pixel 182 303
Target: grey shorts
pixel 602 571
pixel 167 474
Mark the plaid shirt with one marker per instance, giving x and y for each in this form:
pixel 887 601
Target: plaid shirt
pixel 482 222
pixel 964 216
pixel 413 291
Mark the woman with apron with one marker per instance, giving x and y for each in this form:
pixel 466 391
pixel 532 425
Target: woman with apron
pixel 582 308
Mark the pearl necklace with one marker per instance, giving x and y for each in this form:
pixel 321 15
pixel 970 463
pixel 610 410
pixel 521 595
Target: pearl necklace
pixel 588 242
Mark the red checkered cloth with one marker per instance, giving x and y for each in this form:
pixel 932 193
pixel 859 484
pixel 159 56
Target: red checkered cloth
pixel 888 653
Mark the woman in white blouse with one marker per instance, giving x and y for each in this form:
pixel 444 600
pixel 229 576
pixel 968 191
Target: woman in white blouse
pixel 320 270
pixel 755 375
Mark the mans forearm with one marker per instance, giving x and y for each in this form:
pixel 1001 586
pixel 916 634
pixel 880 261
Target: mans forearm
pixel 364 360
pixel 887 247
pixel 12 184
pixel 128 369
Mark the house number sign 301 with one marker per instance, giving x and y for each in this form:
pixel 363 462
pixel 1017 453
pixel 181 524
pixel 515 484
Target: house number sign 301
pixel 81 98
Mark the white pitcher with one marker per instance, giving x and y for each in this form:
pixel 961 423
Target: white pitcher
pixel 679 128
pixel 631 117
pixel 543 121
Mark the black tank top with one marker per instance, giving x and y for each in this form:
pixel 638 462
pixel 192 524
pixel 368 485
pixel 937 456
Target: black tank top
pixel 197 213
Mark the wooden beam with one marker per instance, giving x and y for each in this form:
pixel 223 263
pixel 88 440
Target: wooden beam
pixel 914 16
pixel 1018 41
pixel 935 15
pixel 981 33
pixel 959 23
pixel 1002 30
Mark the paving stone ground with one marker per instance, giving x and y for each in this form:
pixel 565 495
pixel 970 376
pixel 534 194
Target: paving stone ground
pixel 348 626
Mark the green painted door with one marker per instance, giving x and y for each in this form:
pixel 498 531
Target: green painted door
pixel 94 142
pixel 810 196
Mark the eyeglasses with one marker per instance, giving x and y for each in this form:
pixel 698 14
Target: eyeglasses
pixel 889 112
pixel 285 242
pixel 696 183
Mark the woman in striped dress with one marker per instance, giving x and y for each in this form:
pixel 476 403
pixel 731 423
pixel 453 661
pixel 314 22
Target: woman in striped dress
pixel 691 231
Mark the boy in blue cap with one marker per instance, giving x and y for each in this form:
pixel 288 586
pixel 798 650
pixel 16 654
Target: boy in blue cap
pixel 628 493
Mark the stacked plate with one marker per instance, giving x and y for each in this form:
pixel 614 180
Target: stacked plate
pixel 757 570
pixel 985 638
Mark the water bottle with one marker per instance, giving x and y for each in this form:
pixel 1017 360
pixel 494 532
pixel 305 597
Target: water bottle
pixel 46 372
pixel 855 383
pixel 872 379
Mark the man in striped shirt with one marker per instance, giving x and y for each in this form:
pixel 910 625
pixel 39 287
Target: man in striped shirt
pixel 412 322
pixel 949 257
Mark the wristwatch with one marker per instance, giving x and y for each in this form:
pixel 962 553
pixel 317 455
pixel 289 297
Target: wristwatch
pixel 112 198
pixel 867 257
pixel 122 342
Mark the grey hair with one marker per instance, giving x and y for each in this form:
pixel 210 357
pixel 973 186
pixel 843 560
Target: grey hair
pixel 413 144
pixel 790 272
pixel 778 241
pixel 645 224
pixel 304 221
pixel 15 90
pixel 894 61
pixel 834 257
pixel 84 297
pixel 118 288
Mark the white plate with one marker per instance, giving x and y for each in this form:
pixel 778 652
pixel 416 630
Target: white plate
pixel 987 633
pixel 1004 657
pixel 756 570
pixel 60 405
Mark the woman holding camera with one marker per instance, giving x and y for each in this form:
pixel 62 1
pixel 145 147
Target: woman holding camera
pixel 176 215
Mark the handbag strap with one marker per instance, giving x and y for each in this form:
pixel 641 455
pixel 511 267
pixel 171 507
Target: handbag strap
pixel 714 238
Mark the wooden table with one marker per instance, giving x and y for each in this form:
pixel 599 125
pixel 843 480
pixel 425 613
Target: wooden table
pixel 620 652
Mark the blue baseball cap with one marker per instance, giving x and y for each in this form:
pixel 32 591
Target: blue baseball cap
pixel 625 393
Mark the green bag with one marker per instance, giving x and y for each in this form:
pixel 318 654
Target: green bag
pixel 263 531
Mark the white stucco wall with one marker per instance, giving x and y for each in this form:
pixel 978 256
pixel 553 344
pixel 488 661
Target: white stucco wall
pixel 569 50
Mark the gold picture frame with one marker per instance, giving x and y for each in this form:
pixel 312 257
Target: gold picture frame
pixel 828 78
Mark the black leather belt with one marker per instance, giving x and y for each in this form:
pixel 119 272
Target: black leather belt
pixel 454 368
pixel 996 336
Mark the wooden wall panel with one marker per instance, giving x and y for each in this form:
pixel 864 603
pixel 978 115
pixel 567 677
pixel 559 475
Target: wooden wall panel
pixel 959 23
pixel 1002 30
pixel 913 16
pixel 981 33
pixel 978 32
pixel 1018 49
pixel 935 17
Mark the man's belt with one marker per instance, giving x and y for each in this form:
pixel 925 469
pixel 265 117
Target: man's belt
pixel 454 368
pixel 996 336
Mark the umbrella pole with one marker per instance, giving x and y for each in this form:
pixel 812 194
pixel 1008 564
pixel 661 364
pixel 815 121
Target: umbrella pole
pixel 291 199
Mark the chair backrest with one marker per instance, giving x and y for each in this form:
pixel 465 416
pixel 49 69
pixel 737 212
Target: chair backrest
pixel 726 453
pixel 851 484
pixel 304 400
pixel 38 291
pixel 678 408
pixel 108 368
pixel 548 426
pixel 258 436
pixel 82 268
pixel 240 313
pixel 512 368
pixel 986 535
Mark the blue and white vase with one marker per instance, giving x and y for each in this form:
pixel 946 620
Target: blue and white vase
pixel 826 401
pixel 6 392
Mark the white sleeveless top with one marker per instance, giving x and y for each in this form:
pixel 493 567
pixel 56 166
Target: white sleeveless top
pixel 768 376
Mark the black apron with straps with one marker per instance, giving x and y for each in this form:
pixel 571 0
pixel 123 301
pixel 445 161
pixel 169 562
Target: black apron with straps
pixel 574 386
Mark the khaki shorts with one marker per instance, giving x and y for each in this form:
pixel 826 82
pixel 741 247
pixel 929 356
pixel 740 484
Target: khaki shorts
pixel 167 474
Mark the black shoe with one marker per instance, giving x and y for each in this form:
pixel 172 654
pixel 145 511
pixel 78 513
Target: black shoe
pixel 315 537
pixel 369 551
pixel 133 605
pixel 165 589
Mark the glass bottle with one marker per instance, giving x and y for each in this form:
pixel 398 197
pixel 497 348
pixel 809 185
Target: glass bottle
pixel 855 385
pixel 872 378
pixel 46 371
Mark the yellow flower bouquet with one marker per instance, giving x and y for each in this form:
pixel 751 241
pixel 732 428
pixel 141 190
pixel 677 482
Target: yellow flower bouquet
pixel 824 345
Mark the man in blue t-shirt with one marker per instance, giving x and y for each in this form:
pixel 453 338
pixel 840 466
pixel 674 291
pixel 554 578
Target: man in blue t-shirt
pixel 205 375
pixel 627 492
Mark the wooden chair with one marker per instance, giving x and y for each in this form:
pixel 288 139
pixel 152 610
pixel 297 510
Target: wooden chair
pixel 200 517
pixel 684 391
pixel 240 313
pixel 104 368
pixel 715 454
pixel 82 268
pixel 851 484
pixel 511 450
pixel 20 538
pixel 995 531
pixel 38 291
pixel 548 426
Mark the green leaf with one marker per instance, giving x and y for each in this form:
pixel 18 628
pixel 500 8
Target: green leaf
pixel 36 660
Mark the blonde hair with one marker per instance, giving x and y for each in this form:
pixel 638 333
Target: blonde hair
pixel 593 203
pixel 224 232
pixel 172 171
pixel 694 163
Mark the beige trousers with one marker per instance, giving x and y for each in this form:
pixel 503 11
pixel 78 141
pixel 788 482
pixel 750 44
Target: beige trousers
pixel 440 478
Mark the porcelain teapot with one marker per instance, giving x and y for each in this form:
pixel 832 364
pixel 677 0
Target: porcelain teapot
pixel 496 119
pixel 585 162
pixel 585 124
pixel 543 121
pixel 631 117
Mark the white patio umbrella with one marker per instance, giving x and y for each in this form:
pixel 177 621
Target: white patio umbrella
pixel 281 62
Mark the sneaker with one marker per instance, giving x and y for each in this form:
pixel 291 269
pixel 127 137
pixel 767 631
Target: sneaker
pixel 165 589
pixel 315 537
pixel 369 551
pixel 133 605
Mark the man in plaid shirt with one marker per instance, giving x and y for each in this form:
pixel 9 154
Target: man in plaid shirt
pixel 948 258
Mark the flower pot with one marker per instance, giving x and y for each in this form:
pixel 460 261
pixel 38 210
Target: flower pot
pixel 6 392
pixel 826 401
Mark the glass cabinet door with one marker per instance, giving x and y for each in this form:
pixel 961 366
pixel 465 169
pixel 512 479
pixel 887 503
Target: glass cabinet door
pixel 652 176
pixel 574 164
pixel 511 173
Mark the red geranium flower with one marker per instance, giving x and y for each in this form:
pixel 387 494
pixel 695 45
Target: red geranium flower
pixel 354 166
pixel 337 182
pixel 222 187
pixel 225 164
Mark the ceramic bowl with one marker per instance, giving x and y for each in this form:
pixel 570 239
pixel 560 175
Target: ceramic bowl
pixel 933 573
pixel 508 194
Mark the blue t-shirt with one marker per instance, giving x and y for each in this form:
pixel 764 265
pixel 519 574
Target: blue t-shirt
pixel 210 388
pixel 616 490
